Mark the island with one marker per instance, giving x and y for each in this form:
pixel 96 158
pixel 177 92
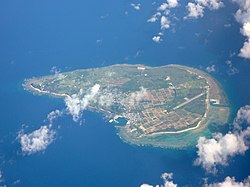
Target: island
pixel 169 106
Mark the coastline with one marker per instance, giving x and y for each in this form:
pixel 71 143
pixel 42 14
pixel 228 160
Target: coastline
pixel 28 86
pixel 213 91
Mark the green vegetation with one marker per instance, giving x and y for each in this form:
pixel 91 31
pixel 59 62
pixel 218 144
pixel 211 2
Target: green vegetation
pixel 166 106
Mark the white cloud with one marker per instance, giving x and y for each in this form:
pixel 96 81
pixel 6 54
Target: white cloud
pixel 106 99
pixel 243 116
pixel 246 29
pixel 219 149
pixel 167 178
pixel 136 6
pixel 104 16
pixel 137 96
pixel 55 70
pixel 98 41
pixel 230 182
pixel 16 182
pixel 245 50
pixel 37 140
pixel 243 16
pixel 154 18
pixel 163 7
pixel 163 12
pixel 146 185
pixel 53 115
pixel 211 4
pixel 229 63
pixel 232 70
pixel 165 23
pixel 211 68
pixel 227 25
pixel 75 104
pixel 172 3
pixel 157 39
pixel 196 9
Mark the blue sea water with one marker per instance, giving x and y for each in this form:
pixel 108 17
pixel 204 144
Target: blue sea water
pixel 37 35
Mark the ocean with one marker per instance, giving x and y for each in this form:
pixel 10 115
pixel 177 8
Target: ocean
pixel 37 35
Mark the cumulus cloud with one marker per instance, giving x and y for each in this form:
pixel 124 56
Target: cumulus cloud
pixel 75 104
pixel 106 99
pixel 219 149
pixel 136 6
pixel 169 4
pixel 146 185
pixel 232 70
pixel 154 18
pixel 172 3
pixel 157 39
pixel 196 8
pixel 245 50
pixel 167 178
pixel 137 96
pixel 163 7
pixel 243 116
pixel 229 63
pixel 243 17
pixel 246 29
pixel 41 138
pixel 37 140
pixel 55 70
pixel 211 4
pixel 211 68
pixel 53 115
pixel 162 14
pixel 230 182
pixel 165 23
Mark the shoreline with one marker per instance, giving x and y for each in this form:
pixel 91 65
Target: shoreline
pixel 28 86
pixel 213 85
